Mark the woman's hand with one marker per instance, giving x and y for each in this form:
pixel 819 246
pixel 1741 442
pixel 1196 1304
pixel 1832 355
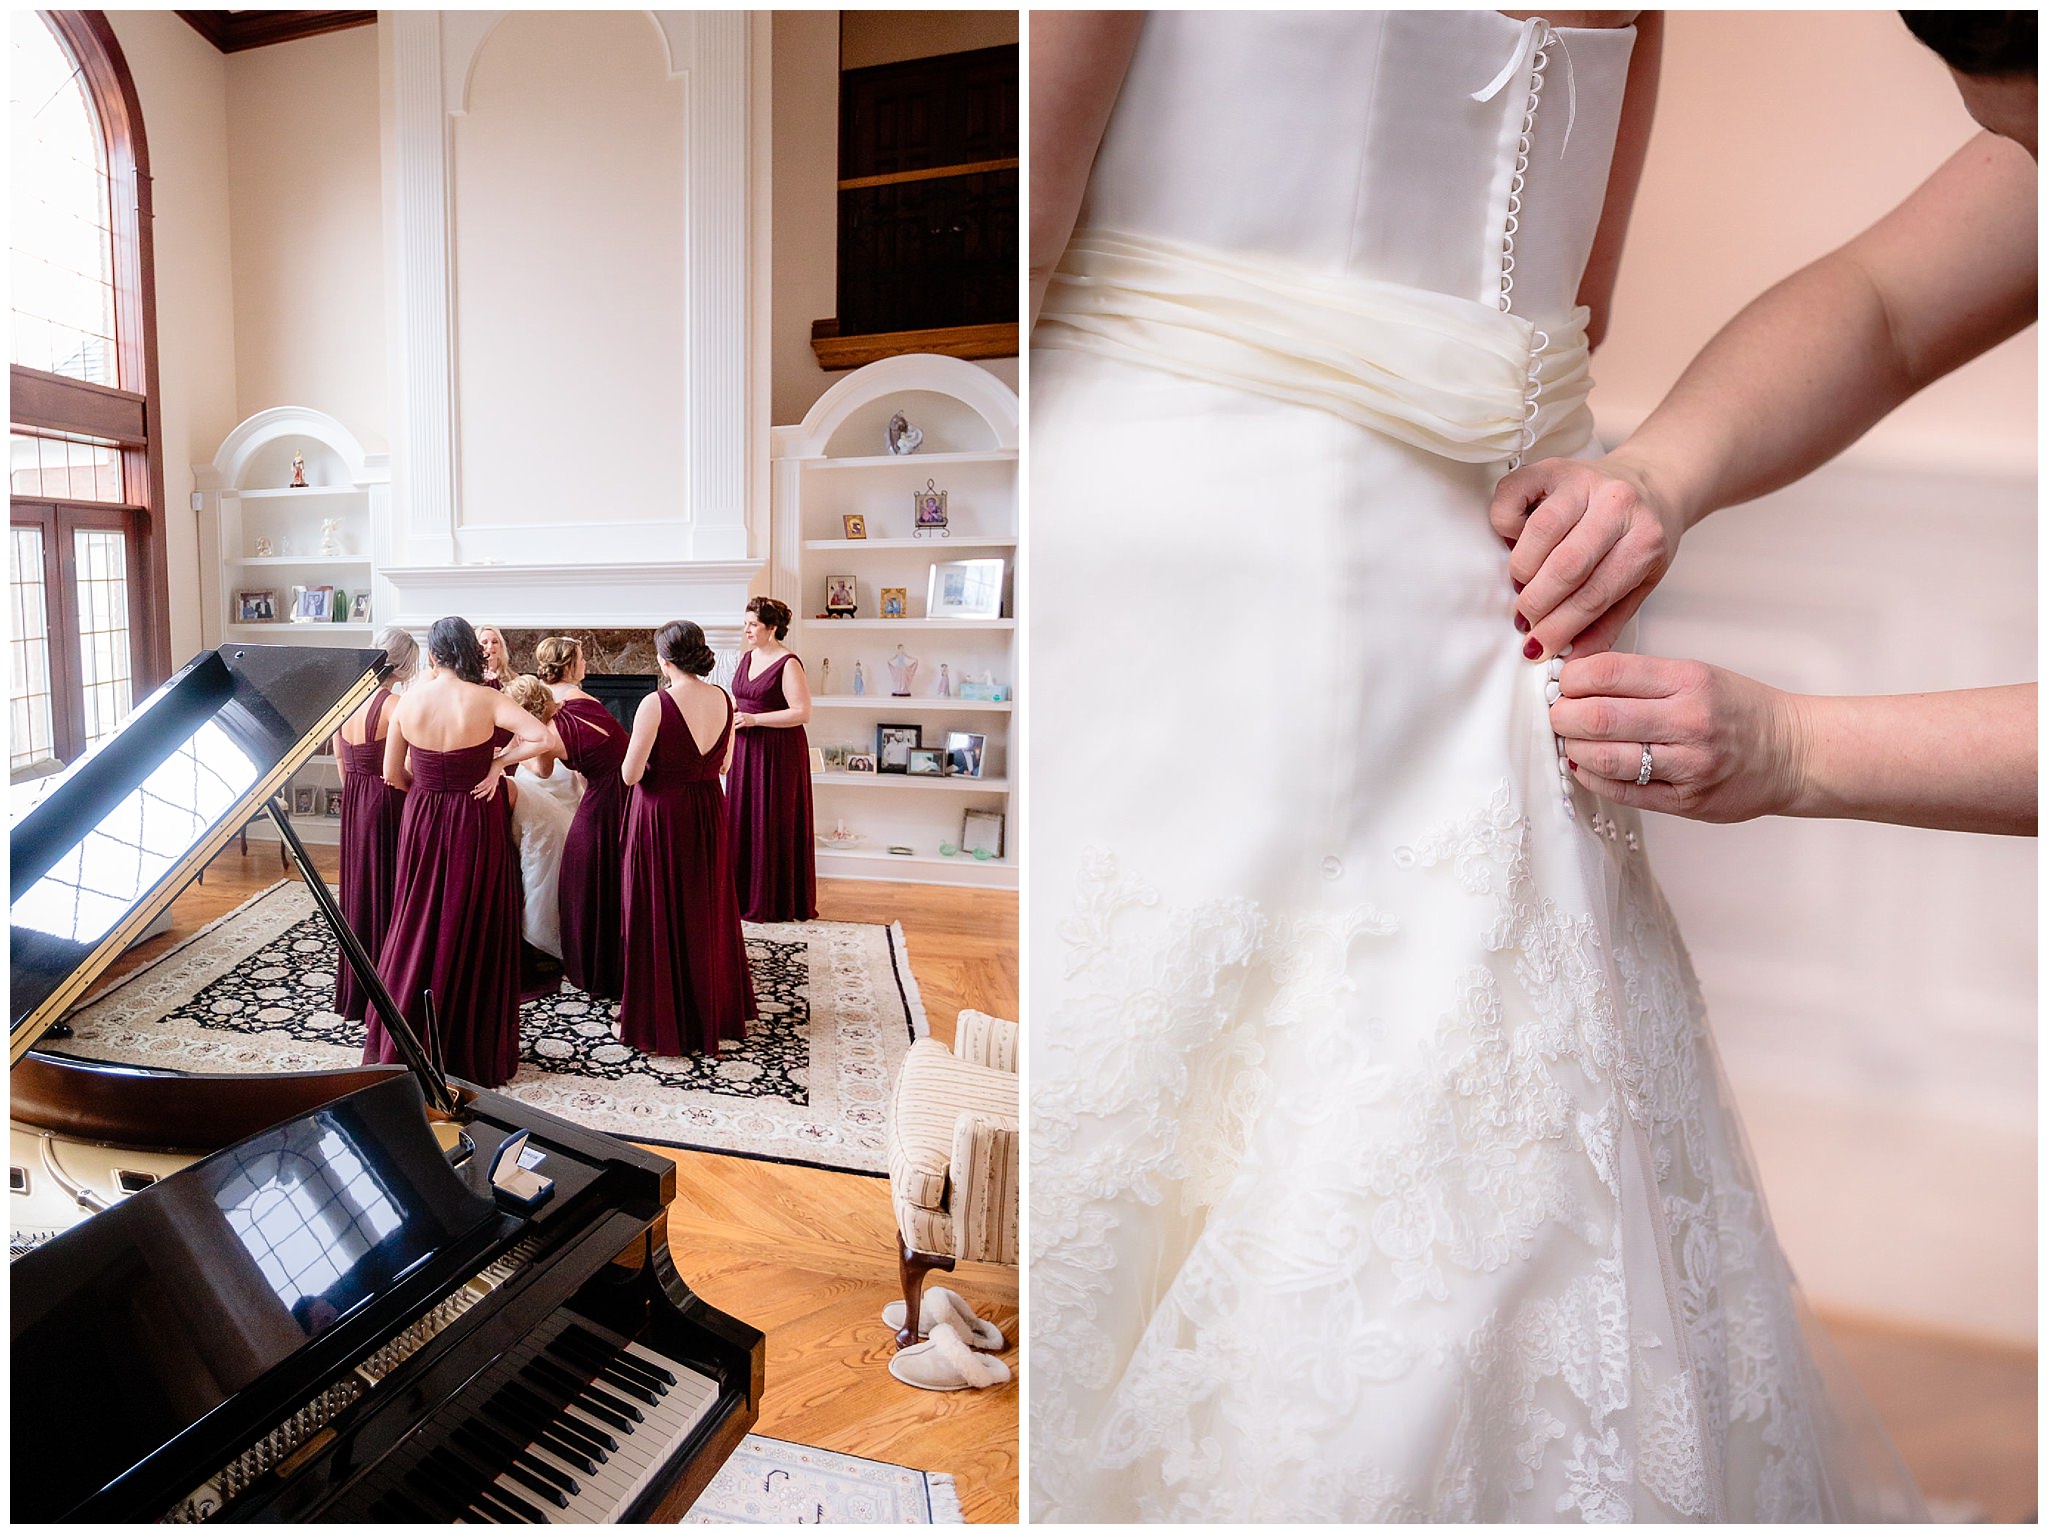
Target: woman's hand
pixel 742 721
pixel 489 785
pixel 1723 748
pixel 1590 541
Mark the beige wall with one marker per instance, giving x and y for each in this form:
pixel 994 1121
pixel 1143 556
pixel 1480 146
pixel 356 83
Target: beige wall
pixel 1778 136
pixel 308 246
pixel 806 170
pixel 181 82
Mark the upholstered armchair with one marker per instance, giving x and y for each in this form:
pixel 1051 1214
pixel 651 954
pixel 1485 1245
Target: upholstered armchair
pixel 955 1155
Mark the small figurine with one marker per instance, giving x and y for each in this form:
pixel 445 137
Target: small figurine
pixel 330 537
pixel 945 682
pixel 263 550
pixel 299 472
pixel 902 672
pixel 903 438
pixel 825 676
pixel 860 681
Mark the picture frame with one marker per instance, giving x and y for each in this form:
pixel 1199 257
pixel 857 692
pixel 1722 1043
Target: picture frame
pixel 893 745
pixel 305 799
pixel 965 750
pixel 332 807
pixel 981 833
pixel 834 755
pixel 841 595
pixel 927 762
pixel 312 604
pixel 895 602
pixel 855 526
pixel 965 588
pixel 256 606
pixel 359 609
pixel 928 512
pixel 859 761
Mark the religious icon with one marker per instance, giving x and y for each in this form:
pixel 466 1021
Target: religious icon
pixel 928 512
pixel 854 524
pixel 895 602
pixel 840 598
pixel 903 439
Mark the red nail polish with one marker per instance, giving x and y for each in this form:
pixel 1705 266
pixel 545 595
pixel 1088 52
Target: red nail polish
pixel 1521 625
pixel 1571 764
pixel 1516 584
pixel 1533 650
pixel 1504 538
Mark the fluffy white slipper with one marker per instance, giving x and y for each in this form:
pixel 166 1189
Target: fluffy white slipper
pixel 948 1363
pixel 944 1305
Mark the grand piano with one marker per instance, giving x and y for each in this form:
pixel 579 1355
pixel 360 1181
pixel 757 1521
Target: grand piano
pixel 371 1295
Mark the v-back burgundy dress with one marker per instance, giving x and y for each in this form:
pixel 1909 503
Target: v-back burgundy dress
pixel 455 919
pixel 370 812
pixel 768 804
pixel 593 947
pixel 687 984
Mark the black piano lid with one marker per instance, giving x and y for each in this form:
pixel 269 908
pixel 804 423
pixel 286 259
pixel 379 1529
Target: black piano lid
pixel 154 1313
pixel 99 849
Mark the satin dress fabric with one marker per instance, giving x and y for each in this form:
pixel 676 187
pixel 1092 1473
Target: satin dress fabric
pixel 455 919
pixel 370 813
pixel 588 904
pixel 1382 1166
pixel 768 803
pixel 687 984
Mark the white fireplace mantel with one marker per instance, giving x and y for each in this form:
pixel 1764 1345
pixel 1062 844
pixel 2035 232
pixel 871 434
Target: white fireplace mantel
pixel 592 596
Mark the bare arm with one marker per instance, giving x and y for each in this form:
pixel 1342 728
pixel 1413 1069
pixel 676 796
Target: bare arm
pixel 1624 175
pixel 1788 383
pixel 396 770
pixel 1078 59
pixel 529 736
pixel 646 725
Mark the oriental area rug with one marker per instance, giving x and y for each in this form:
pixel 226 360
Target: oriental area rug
pixel 811 1084
pixel 770 1481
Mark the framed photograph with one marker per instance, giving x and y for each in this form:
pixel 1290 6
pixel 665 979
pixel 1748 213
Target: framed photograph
pixel 859 761
pixel 855 524
pixel 840 594
pixel 895 602
pixel 834 754
pixel 359 609
pixel 928 511
pixel 312 604
pixel 964 751
pixel 333 804
pixel 305 799
pixel 927 762
pixel 966 588
pixel 981 833
pixel 256 607
pixel 893 745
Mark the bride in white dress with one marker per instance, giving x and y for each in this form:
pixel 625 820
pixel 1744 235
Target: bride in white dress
pixel 1381 1163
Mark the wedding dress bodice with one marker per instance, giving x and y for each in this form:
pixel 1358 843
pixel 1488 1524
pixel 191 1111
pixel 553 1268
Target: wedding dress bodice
pixel 1348 143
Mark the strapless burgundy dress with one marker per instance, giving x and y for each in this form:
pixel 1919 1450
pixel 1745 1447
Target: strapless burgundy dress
pixel 370 812
pixel 454 928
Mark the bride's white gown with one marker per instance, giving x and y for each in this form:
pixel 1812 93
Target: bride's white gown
pixel 1381 1163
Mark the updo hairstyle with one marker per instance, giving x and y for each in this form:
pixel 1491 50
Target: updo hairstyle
pixel 771 612
pixel 553 659
pixel 532 694
pixel 682 645
pixel 451 643
pixel 401 653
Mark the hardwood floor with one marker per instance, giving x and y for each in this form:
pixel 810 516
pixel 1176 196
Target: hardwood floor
pixel 808 1256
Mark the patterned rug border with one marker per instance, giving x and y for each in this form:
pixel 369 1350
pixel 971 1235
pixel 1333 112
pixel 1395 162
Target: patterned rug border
pixel 942 1490
pixel 915 1022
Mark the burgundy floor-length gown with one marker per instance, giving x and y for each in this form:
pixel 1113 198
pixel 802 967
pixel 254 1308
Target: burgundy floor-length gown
pixel 768 805
pixel 455 919
pixel 370 812
pixel 687 984
pixel 593 945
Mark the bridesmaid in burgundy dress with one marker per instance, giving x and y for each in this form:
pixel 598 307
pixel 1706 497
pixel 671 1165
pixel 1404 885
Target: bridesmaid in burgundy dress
pixel 592 743
pixel 497 665
pixel 370 811
pixel 687 984
pixel 455 905
pixel 768 803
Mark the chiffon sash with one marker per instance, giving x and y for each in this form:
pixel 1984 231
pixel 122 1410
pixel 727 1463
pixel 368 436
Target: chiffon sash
pixel 1461 379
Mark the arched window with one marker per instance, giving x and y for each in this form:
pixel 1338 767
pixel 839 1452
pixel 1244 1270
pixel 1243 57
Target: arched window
pixel 87 583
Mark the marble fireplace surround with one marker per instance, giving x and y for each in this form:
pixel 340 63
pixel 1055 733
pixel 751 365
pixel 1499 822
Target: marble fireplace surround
pixel 618 652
